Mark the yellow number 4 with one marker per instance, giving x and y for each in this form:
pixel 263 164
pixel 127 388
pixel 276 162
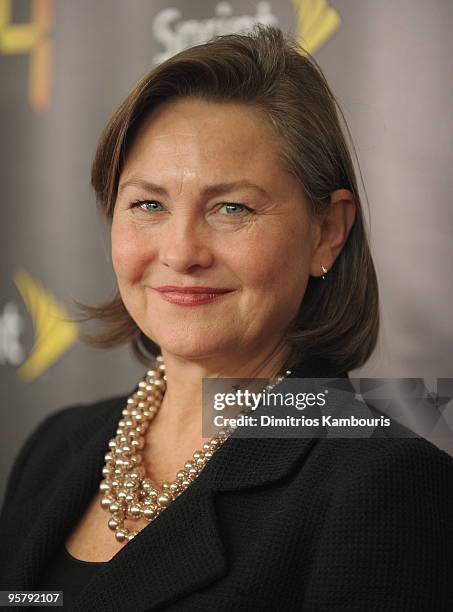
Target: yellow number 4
pixel 30 38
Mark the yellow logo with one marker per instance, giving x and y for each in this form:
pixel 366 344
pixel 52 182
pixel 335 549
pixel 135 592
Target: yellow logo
pixel 30 38
pixel 54 331
pixel 316 23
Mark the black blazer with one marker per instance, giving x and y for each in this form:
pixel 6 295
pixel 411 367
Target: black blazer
pixel 271 524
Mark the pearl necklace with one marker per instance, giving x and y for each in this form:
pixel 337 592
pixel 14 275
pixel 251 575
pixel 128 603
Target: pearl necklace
pixel 126 491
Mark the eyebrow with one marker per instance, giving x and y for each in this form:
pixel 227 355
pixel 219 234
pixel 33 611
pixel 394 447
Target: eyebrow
pixel 209 191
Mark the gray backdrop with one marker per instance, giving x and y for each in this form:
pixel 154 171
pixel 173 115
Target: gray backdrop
pixel 66 65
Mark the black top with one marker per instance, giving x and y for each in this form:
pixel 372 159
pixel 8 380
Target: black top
pixel 312 524
pixel 68 574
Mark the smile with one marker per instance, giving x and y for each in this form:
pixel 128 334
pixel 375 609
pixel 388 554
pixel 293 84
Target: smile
pixel 192 296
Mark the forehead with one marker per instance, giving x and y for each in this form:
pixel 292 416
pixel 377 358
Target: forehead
pixel 200 132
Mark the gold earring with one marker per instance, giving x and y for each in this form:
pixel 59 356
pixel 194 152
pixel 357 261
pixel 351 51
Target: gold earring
pixel 324 271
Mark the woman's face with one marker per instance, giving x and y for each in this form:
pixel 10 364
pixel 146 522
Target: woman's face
pixel 204 201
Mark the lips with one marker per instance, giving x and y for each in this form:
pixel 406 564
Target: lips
pixel 191 296
pixel 195 289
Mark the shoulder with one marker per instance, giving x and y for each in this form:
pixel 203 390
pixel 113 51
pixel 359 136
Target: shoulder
pixel 69 418
pixel 396 494
pixel 388 464
pixel 49 439
pixel 380 485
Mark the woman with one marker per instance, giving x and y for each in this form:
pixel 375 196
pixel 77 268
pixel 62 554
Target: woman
pixel 239 248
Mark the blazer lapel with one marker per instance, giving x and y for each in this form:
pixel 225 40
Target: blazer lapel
pixel 182 550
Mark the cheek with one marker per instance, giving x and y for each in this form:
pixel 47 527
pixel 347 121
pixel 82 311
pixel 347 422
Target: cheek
pixel 127 252
pixel 280 259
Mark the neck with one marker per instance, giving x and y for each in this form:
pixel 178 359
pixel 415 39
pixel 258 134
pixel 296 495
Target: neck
pixel 180 416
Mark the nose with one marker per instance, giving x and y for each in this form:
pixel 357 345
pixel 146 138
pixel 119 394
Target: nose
pixel 184 245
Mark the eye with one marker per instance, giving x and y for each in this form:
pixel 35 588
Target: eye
pixel 147 205
pixel 234 209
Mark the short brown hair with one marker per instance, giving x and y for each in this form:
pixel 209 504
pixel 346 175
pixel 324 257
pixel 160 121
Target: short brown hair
pixel 338 321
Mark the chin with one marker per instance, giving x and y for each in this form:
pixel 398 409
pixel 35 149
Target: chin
pixel 191 345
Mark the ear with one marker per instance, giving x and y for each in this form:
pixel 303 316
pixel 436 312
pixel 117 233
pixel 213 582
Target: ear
pixel 332 230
